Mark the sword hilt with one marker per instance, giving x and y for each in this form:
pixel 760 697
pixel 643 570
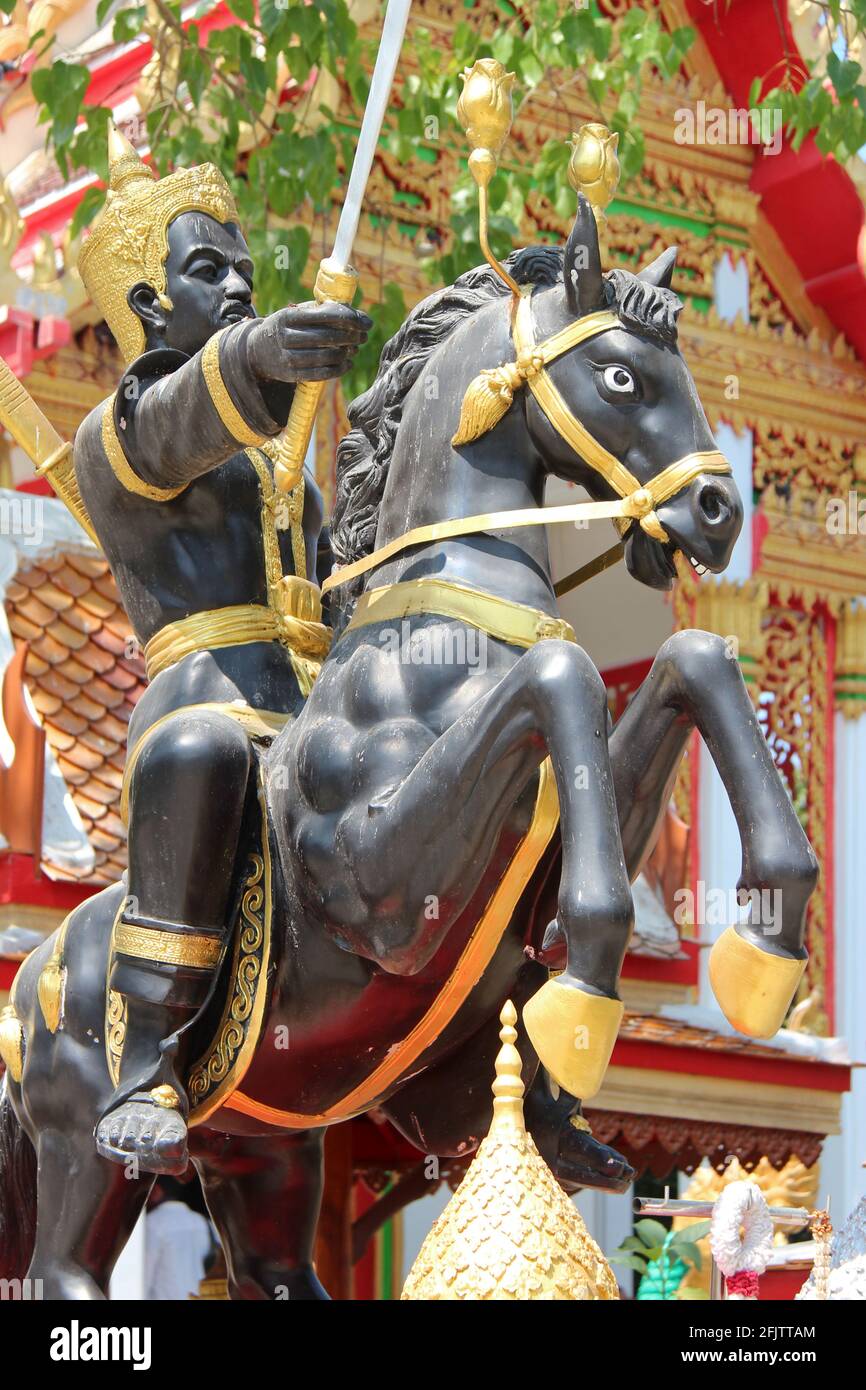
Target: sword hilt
pixel 337 286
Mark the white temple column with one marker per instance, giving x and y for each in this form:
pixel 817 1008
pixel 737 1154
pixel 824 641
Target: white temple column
pixel 842 1171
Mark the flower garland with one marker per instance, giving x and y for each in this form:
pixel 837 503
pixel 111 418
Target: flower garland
pixel 741 1258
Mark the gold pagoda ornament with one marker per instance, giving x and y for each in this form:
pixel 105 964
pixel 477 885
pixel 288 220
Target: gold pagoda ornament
pixel 509 1231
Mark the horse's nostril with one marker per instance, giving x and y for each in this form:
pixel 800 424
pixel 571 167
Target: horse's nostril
pixel 713 503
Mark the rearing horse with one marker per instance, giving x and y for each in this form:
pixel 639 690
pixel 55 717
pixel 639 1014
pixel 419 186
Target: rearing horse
pixel 450 815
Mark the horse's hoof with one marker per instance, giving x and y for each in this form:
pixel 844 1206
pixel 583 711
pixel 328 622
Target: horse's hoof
pixel 150 1136
pixel 583 1161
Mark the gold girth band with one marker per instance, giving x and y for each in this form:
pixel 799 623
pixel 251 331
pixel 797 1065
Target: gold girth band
pixel 501 618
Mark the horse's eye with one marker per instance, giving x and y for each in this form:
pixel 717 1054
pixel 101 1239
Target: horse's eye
pixel 620 380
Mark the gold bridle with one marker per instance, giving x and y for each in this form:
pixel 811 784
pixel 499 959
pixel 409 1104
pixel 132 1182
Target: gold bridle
pixel 489 397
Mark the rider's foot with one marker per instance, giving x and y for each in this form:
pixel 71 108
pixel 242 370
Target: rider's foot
pixel 146 1132
pixel 583 1161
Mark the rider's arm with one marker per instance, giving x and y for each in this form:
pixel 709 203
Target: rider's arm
pixel 174 418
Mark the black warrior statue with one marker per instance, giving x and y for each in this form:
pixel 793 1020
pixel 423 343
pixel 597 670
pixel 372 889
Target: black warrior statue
pixel 338 875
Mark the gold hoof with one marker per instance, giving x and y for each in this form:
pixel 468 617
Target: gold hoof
pixel 573 1033
pixel 754 990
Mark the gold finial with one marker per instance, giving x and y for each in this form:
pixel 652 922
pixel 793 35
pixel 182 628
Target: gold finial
pixel 123 162
pixel 485 111
pixel 593 169
pixel 508 1083
pixel 509 1231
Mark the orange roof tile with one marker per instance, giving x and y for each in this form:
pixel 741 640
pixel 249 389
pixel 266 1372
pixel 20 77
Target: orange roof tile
pixel 84 685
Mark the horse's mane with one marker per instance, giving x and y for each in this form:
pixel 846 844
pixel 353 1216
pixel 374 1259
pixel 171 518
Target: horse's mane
pixel 364 454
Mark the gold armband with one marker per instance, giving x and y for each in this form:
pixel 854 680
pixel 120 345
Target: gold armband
pixel 121 467
pixel 167 947
pixel 219 394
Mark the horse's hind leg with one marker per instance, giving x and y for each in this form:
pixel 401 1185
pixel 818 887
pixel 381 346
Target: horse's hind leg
pixel 86 1211
pixel 264 1194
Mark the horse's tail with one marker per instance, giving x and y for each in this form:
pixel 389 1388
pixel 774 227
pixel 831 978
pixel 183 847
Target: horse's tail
pixel 17 1192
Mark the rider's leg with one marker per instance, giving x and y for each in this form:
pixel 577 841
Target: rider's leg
pixel 188 792
pixel 264 1195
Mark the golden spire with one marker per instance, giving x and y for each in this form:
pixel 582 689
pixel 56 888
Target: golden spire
pixel 123 162
pixel 509 1231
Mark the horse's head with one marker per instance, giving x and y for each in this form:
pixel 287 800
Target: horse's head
pixel 634 402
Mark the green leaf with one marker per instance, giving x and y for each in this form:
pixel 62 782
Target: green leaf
pixel 630 1262
pixel 696 1230
pixel 86 210
pixel 244 9
pixel 651 1232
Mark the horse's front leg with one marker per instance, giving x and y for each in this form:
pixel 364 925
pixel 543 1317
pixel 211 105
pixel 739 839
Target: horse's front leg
pixel 694 682
pixel 552 701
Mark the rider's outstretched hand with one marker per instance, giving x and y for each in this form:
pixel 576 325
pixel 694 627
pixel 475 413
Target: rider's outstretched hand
pixel 307 342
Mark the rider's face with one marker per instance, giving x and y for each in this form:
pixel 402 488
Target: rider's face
pixel 209 274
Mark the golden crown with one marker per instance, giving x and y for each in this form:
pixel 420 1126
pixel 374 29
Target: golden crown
pixel 129 241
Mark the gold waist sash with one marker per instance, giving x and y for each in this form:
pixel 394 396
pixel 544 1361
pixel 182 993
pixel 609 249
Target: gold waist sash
pixel 295 619
pixel 501 618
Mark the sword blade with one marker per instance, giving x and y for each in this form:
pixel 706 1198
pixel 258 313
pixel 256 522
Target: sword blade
pixel 374 114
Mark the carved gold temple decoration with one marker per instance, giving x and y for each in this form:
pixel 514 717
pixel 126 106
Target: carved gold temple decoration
pixel 794 1185
pixel 795 684
pixel 734 611
pixel 509 1232
pixel 851 661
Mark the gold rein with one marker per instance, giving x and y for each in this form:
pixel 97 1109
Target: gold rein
pixel 637 501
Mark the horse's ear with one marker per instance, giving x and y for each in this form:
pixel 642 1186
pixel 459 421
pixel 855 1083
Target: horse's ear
pixel 581 266
pixel 660 271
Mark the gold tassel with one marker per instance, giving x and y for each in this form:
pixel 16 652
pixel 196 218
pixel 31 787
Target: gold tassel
pixel 487 399
pixel 50 990
pixel 12 1042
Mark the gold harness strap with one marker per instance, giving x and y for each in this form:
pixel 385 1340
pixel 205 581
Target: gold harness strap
pixel 487 400
pixel 501 618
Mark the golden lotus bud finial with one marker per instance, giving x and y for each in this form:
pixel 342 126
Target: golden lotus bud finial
pixel 124 164
pixel 485 111
pixel 508 1083
pixel 593 169
pixel 509 1231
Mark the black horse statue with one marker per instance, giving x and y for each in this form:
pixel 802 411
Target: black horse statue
pixel 450 816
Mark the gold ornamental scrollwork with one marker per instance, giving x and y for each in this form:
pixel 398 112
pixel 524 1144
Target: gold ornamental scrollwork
pixel 246 972
pixel 794 682
pixel 115 1023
